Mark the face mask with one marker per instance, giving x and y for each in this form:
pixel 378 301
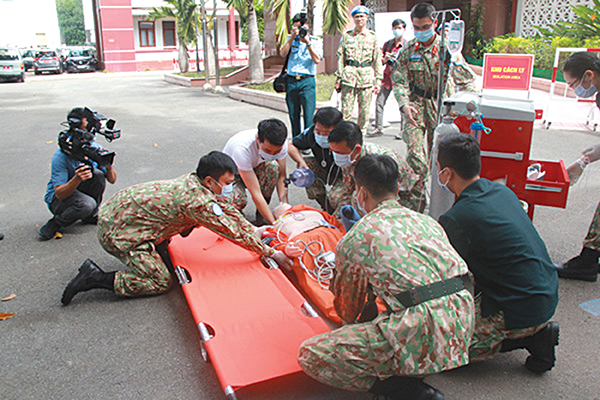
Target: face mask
pixel 322 141
pixel 342 160
pixel 580 91
pixel 398 33
pixel 423 36
pixel 361 209
pixel 226 191
pixel 443 185
pixel 267 157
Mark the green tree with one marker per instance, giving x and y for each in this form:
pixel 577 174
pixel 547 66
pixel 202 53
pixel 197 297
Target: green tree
pixel 183 12
pixel 335 16
pixel 260 22
pixel 247 9
pixel 70 21
pixel 585 24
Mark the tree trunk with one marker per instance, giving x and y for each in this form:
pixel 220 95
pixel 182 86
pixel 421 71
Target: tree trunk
pixel 310 15
pixel 257 74
pixel 211 53
pixel 184 64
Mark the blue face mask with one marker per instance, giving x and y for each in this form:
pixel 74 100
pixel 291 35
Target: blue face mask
pixel 424 36
pixel 267 157
pixel 342 160
pixel 580 91
pixel 322 141
pixel 398 33
pixel 227 190
pixel 443 185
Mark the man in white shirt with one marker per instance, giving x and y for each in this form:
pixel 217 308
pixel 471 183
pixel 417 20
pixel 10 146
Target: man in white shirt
pixel 260 156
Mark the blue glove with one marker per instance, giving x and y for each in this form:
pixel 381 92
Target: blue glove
pixel 349 217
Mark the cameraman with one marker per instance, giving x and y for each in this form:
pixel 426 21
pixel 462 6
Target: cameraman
pixel 75 189
pixel 390 51
pixel 305 54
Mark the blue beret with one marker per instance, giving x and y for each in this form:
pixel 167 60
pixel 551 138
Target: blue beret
pixel 360 10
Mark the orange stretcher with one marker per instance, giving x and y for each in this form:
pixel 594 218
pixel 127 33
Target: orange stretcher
pixel 251 319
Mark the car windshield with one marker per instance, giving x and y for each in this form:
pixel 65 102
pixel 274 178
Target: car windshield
pixel 80 53
pixel 9 54
pixel 28 53
pixel 41 54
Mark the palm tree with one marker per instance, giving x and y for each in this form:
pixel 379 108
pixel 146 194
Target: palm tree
pixel 255 62
pixel 183 12
pixel 335 16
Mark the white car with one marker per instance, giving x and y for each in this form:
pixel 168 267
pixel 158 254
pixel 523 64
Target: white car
pixel 11 64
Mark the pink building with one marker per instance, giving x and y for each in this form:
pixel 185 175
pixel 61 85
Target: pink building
pixel 127 42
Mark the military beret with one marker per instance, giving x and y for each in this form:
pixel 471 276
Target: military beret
pixel 360 10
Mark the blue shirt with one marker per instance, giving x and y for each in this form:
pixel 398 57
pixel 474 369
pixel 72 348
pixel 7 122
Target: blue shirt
pixel 301 62
pixel 63 169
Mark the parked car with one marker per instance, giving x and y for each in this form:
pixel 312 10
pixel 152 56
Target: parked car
pixel 47 60
pixel 11 64
pixel 80 59
pixel 28 56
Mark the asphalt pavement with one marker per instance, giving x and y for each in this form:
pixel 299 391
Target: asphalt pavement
pixel 103 347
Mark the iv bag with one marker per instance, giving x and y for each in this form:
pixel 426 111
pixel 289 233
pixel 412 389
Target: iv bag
pixel 456 34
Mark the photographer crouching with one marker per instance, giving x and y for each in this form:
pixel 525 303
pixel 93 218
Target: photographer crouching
pixel 80 169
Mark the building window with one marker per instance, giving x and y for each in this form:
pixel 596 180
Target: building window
pixel 146 34
pixel 169 33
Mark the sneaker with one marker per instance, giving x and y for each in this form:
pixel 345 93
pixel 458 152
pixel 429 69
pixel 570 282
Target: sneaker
pixel 375 133
pixel 48 231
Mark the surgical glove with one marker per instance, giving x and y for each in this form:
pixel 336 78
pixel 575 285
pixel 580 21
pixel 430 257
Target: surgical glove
pixel 576 169
pixel 592 153
pixel 282 260
pixel 260 231
pixel 349 217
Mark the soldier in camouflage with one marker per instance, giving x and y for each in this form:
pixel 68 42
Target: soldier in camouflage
pixel 415 81
pixel 347 145
pixel 404 259
pixel 137 220
pixel 359 71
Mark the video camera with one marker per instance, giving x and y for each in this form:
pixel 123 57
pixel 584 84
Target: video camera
pixel 78 143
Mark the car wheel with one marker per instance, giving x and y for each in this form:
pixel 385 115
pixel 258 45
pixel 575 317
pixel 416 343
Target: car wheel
pixel 36 72
pixel 22 78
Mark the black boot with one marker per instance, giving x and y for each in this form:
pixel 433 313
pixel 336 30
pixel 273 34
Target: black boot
pixel 583 267
pixel 405 388
pixel 90 276
pixel 542 349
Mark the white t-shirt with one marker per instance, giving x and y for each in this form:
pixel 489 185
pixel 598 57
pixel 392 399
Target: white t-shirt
pixel 243 148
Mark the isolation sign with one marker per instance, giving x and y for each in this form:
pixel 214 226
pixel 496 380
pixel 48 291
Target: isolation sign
pixel 507 71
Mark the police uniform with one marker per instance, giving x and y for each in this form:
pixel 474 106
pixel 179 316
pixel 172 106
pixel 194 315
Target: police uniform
pixel 410 195
pixel 359 69
pixel 138 218
pixel 389 252
pixel 415 81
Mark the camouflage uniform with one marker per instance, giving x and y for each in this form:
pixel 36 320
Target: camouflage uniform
pixel 266 173
pixel 417 71
pixel 490 332
pixel 592 240
pixel 411 194
pixel 391 250
pixel 136 219
pixel 358 81
pixel 318 188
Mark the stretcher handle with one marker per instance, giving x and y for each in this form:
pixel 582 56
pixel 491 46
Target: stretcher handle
pixel 182 275
pixel 308 310
pixel 205 336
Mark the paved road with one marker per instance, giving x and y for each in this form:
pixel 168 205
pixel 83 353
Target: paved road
pixel 101 347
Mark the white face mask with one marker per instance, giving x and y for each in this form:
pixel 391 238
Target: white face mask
pixel 398 33
pixel 361 208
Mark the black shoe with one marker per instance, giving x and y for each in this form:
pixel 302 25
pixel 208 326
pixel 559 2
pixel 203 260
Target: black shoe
pixel 1 235
pixel 90 276
pixel 583 267
pixel 405 388
pixel 48 231
pixel 398 137
pixel 542 349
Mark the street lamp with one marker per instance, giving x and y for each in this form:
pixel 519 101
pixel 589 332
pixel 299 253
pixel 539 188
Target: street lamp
pixel 204 47
pixel 196 31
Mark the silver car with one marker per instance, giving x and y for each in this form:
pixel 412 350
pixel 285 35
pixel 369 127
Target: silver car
pixel 11 64
pixel 47 60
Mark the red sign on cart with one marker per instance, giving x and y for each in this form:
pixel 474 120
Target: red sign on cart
pixel 507 71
